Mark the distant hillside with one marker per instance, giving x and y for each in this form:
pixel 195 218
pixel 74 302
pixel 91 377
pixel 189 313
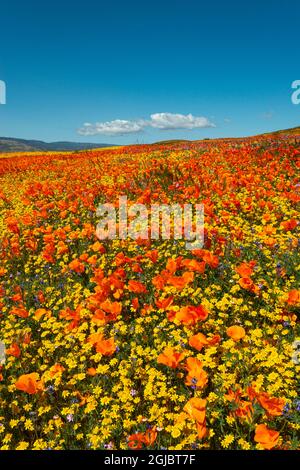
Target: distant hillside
pixel 11 144
pixel 174 141
pixel 292 131
pixel 283 132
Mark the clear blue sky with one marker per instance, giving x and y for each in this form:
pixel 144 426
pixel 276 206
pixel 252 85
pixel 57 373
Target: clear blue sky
pixel 69 63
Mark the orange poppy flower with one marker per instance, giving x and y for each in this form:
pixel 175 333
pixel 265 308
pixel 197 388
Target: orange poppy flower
pixel 82 398
pixel 135 303
pixel 236 332
pixel 189 315
pixel 159 282
pixel 99 317
pixel 270 241
pixel 2 271
pixel 196 377
pixel 146 310
pixel 251 392
pixel 136 287
pixel 92 371
pixel 14 350
pixel 83 257
pixel 19 312
pixel 17 297
pixel 288 225
pixel 170 357
pixel 40 312
pixel 245 269
pixel 150 436
pixel 210 259
pixel 152 255
pixel 108 312
pixel 215 339
pixel 26 338
pixel 195 408
pixel 12 224
pixel 136 441
pixel 73 315
pixel 246 283
pixel 95 338
pixel 268 438
pixel 62 248
pixel 171 266
pixel 98 247
pixel 92 260
pixel 198 341
pixel 164 303
pixel 193 363
pixel 29 383
pixel 201 430
pixel 293 297
pixel 273 406
pixel 40 296
pixel 115 308
pixel 244 410
pixel 77 266
pixel 106 347
pixel 181 281
pixel 56 369
pixel 194 265
pixel 234 395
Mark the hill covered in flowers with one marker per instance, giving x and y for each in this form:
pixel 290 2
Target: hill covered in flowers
pixel 142 343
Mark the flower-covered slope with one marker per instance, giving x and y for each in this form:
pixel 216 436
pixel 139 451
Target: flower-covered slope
pixel 142 343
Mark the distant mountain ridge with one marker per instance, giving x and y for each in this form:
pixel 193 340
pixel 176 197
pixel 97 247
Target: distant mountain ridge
pixel 11 144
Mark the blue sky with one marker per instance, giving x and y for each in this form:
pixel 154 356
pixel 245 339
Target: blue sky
pixel 227 64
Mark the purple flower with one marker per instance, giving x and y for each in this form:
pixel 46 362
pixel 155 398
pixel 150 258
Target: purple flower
pixel 286 409
pixel 108 446
pixel 297 403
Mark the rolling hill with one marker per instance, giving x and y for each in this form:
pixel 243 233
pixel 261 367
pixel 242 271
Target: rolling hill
pixel 11 144
pixel 291 131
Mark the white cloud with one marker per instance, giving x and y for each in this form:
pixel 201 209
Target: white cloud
pixel 116 127
pixel 168 121
pixel 162 121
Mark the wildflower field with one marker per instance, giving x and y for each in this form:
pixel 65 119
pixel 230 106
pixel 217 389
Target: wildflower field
pixel 129 344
